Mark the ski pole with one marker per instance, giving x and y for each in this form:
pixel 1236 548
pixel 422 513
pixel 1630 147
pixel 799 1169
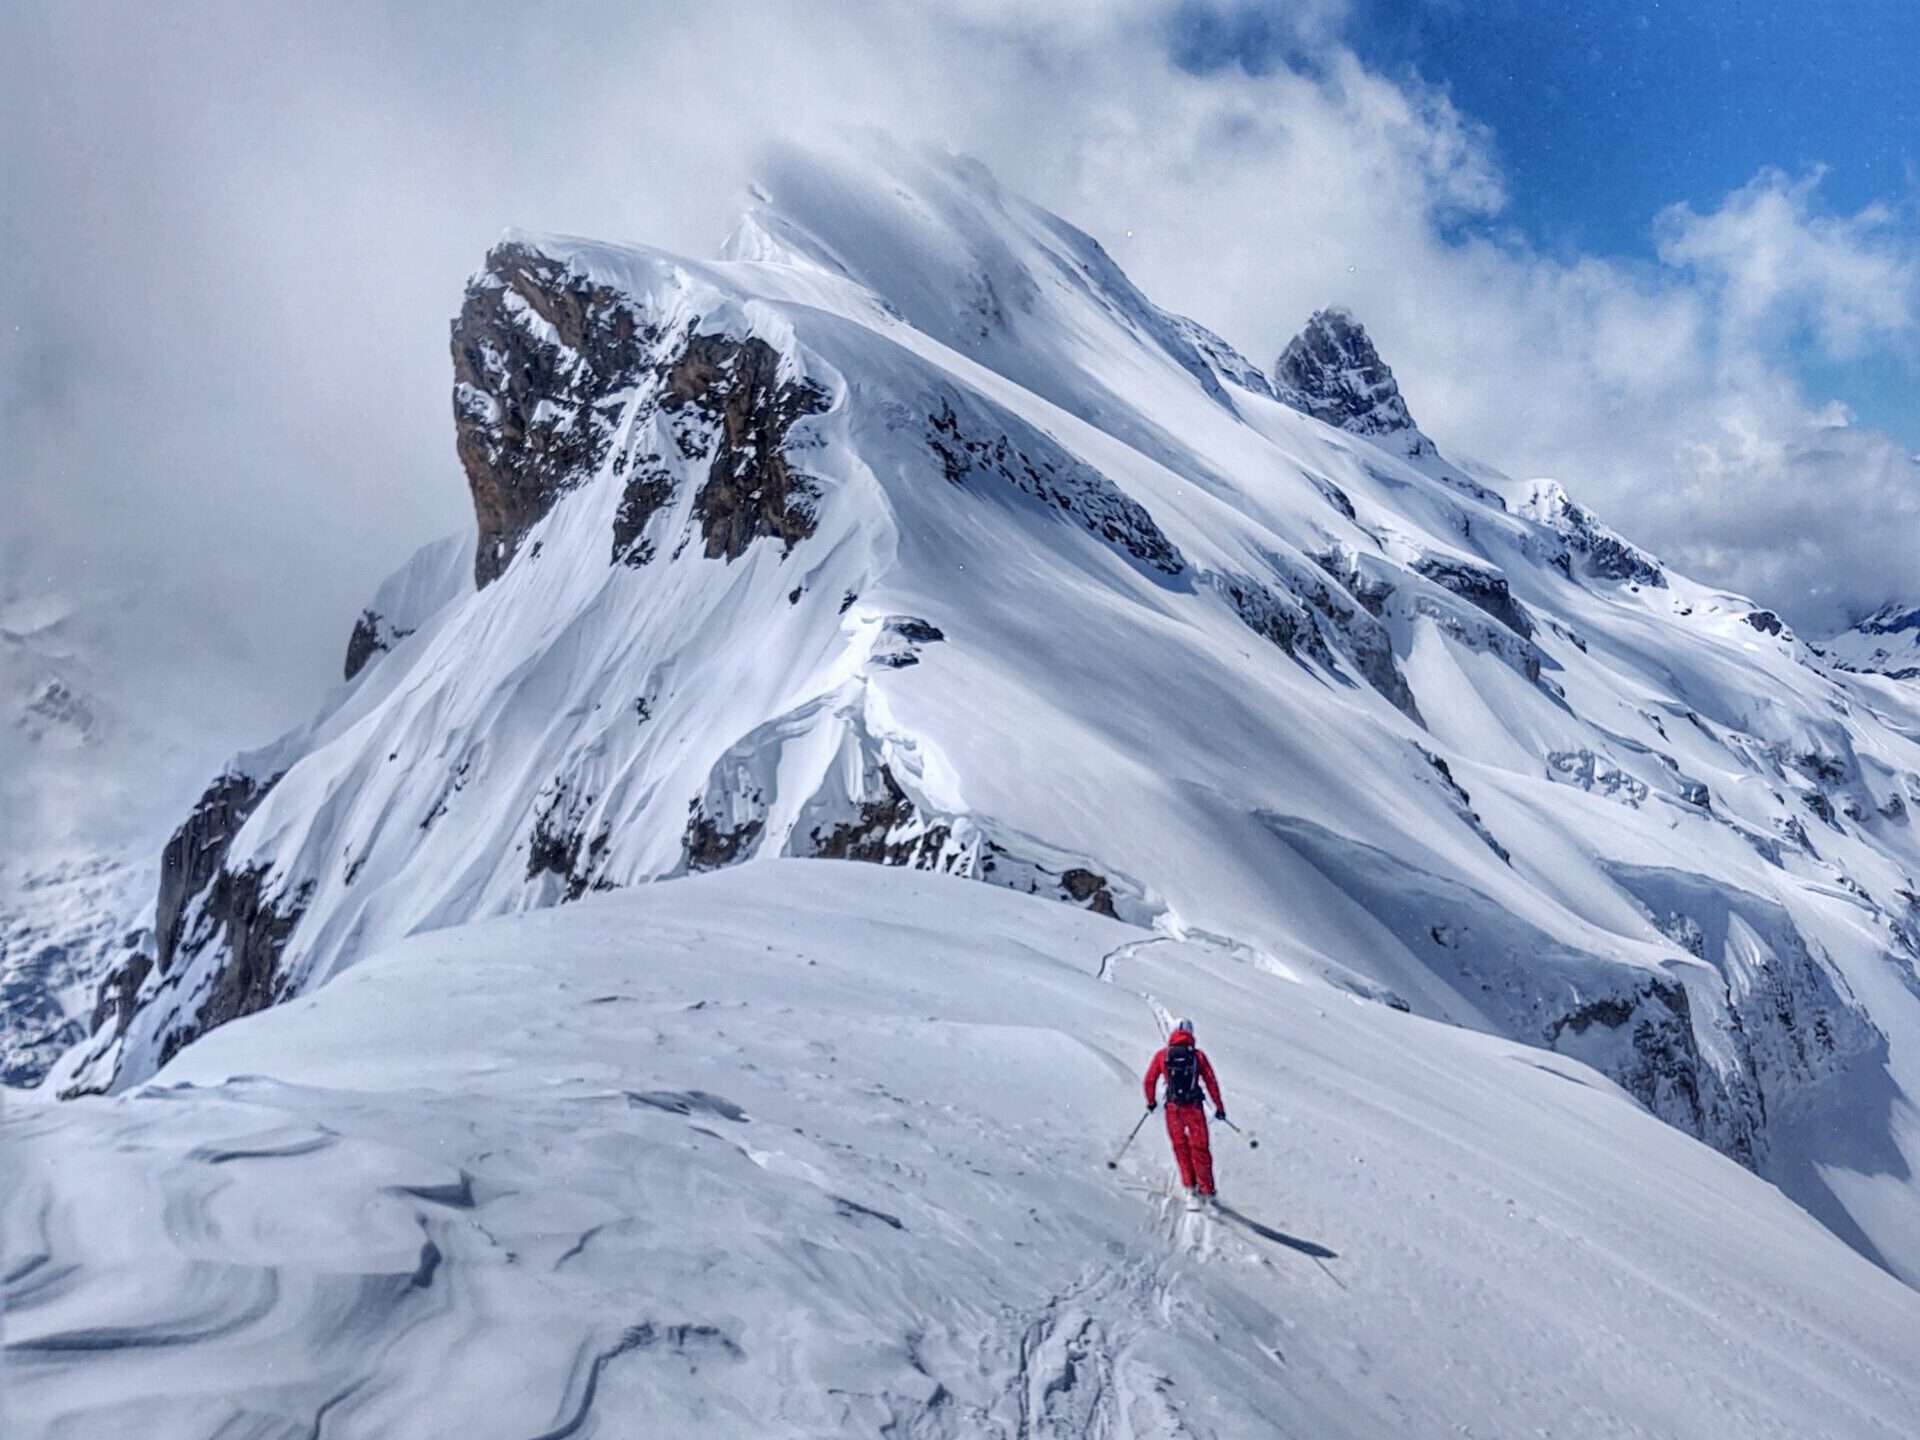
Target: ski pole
pixel 1114 1164
pixel 1252 1144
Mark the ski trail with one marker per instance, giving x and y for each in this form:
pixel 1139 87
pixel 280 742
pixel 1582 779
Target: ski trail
pixel 1162 1016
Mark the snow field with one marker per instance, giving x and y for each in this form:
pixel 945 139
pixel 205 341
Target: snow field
pixel 819 1148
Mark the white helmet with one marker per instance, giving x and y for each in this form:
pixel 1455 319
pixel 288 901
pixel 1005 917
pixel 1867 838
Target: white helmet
pixel 1186 1025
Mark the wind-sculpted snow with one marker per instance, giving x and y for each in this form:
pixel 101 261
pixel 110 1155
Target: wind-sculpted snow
pixel 819 1149
pixel 913 534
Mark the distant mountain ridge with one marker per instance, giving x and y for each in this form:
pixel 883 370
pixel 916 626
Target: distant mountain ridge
pixel 1887 642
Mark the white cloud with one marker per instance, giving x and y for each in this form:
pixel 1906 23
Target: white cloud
pixel 1776 263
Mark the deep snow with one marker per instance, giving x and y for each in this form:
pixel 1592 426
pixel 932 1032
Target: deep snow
pixel 818 1148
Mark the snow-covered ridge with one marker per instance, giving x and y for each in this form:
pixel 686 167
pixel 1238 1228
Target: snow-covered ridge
pixel 912 533
pixel 820 1149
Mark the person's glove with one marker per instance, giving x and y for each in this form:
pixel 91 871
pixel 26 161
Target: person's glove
pixel 1152 1105
pixel 1219 1112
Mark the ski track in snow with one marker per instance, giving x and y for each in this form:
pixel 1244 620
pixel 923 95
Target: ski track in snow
pixel 820 1148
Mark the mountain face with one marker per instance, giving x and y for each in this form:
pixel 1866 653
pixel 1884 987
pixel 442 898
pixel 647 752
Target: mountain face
pixel 912 533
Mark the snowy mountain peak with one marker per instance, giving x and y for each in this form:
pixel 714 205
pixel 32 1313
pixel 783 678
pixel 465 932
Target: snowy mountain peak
pixel 1887 642
pixel 915 534
pixel 930 239
pixel 1332 371
pixel 1893 618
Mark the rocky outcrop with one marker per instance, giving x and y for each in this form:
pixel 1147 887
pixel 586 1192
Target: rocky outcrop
pixel 735 391
pixel 711 846
pixel 1331 371
pixel 372 635
pixel 1463 804
pixel 902 637
pixel 1001 446
pixel 193 857
pixel 882 832
pixel 1599 775
pixel 251 915
pixel 542 358
pixel 1485 588
pixel 1603 553
pixel 560 844
pixel 1646 1034
pixel 1279 619
pixel 1779 1022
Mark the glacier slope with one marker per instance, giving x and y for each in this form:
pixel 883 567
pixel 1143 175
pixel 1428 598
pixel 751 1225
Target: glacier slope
pixel 819 1148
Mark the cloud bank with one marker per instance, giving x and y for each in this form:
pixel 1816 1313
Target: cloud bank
pixel 234 236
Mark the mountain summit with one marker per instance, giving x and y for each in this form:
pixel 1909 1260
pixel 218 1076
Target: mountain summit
pixel 1332 371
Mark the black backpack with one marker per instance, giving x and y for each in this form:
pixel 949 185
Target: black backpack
pixel 1183 1075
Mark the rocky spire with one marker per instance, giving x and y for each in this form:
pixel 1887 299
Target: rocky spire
pixel 1331 371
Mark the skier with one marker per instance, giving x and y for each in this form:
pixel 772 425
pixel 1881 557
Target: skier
pixel 1186 1067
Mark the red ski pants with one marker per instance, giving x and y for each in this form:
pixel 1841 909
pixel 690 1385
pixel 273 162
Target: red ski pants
pixel 1187 1129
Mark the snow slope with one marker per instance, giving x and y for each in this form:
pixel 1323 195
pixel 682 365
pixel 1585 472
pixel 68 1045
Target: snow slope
pixel 819 1149
pixel 913 532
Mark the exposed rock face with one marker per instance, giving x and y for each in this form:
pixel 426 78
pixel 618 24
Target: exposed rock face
pixel 1463 804
pixel 193 857
pixel 560 845
pixel 883 832
pixel 1483 587
pixel 1598 775
pixel 245 910
pixel 1006 448
pixel 711 847
pixel 1656 1059
pixel 542 359
pixel 1279 619
pixel 1778 1025
pixel 1721 1049
pixel 752 488
pixel 901 639
pixel 1604 553
pixel 372 635
pixel 1084 887
pixel 246 913
pixel 1331 371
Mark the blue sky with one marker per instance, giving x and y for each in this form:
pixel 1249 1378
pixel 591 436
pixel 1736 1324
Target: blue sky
pixel 1605 112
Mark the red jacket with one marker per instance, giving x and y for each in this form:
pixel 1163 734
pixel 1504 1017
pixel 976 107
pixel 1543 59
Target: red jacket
pixel 1159 1066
